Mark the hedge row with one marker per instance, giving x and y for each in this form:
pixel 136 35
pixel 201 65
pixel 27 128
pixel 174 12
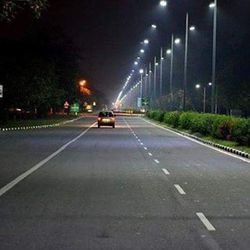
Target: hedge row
pixel 218 126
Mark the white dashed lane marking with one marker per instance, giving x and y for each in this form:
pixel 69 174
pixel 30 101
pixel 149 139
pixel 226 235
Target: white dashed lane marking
pixel 180 189
pixel 206 222
pixel 149 154
pixel 156 161
pixel 165 171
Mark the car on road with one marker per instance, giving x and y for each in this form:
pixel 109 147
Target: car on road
pixel 106 118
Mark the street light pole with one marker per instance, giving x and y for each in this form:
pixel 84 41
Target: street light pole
pixel 155 80
pixel 141 91
pixel 149 84
pixel 146 82
pixel 171 69
pixel 204 99
pixel 161 71
pixel 214 86
pixel 185 63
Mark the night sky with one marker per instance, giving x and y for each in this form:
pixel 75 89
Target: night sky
pixel 108 35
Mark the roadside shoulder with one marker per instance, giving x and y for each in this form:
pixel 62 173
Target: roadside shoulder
pixel 221 148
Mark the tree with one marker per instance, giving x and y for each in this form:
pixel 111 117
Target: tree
pixel 39 72
pixel 10 8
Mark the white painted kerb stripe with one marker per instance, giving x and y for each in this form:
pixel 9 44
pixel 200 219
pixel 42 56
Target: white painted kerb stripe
pixel 9 186
pixel 180 189
pixel 206 222
pixel 165 171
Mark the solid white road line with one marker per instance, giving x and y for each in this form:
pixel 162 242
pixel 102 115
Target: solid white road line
pixel 180 190
pixel 206 222
pixel 165 171
pixel 156 161
pixel 149 154
pixel 21 177
pixel 198 142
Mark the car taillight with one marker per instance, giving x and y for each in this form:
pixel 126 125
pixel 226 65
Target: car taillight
pixel 99 118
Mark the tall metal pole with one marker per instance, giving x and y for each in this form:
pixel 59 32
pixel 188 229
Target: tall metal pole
pixel 214 87
pixel 161 71
pixel 204 99
pixel 171 69
pixel 185 63
pixel 141 90
pixel 149 84
pixel 146 82
pixel 154 80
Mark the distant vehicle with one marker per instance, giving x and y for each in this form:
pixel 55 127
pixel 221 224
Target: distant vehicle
pixel 89 108
pixel 106 118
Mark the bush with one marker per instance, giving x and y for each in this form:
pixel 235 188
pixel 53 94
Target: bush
pixel 222 127
pixel 218 126
pixel 201 123
pixel 186 118
pixel 172 118
pixel 241 132
pixel 156 115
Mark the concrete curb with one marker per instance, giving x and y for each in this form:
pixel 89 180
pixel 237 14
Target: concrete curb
pixel 39 126
pixel 228 149
pixel 216 145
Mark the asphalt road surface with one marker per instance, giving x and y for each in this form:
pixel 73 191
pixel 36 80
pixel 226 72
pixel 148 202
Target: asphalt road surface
pixel 134 187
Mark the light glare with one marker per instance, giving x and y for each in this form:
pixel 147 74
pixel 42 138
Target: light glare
pixel 163 3
pixel 212 5
pixel 177 41
pixel 192 28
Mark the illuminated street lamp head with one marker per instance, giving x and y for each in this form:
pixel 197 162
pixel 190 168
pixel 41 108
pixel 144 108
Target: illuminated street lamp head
pixel 156 64
pixel 169 51
pixel 146 41
pixel 197 86
pixel 192 28
pixel 135 63
pixel 142 51
pixel 177 41
pixel 82 83
pixel 212 5
pixel 210 84
pixel 154 26
pixel 163 3
pixel 141 71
